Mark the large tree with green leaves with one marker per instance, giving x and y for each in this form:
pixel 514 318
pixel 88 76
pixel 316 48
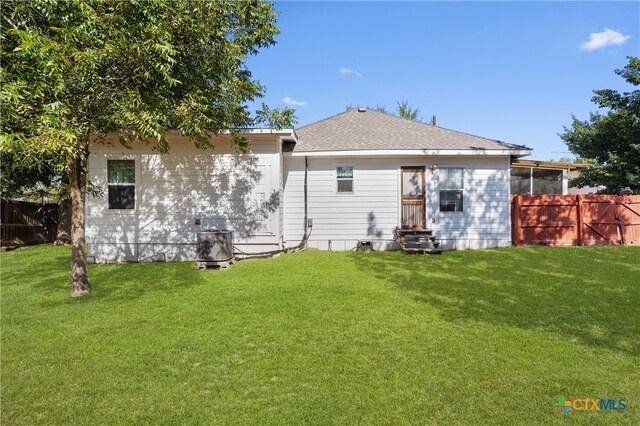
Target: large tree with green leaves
pixel 610 141
pixel 74 71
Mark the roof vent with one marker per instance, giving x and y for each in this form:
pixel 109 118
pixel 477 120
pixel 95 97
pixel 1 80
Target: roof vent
pixel 362 110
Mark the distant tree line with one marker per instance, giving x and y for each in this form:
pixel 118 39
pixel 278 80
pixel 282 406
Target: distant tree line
pixel 403 109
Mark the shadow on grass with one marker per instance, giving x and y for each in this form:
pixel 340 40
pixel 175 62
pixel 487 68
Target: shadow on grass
pixel 588 294
pixel 28 265
pixel 134 280
pixel 46 270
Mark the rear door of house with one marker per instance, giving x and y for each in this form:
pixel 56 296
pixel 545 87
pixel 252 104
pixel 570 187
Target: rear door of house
pixel 413 208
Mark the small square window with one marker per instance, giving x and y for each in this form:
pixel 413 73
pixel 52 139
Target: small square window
pixel 121 176
pixel 122 197
pixel 450 201
pixel 345 185
pixel 344 175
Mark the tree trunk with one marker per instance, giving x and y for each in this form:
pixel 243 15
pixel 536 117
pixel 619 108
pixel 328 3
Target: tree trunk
pixel 77 186
pixel 63 234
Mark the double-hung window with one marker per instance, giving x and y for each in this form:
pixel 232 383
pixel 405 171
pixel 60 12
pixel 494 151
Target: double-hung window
pixel 451 189
pixel 121 176
pixel 344 176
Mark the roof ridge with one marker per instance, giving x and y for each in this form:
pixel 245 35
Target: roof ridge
pixel 400 117
pixel 324 119
pixel 481 137
pixel 444 128
pixel 380 132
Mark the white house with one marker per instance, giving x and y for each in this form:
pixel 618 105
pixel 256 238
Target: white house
pixel 365 174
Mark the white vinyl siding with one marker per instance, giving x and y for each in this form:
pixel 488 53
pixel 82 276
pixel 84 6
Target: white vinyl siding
pixel 485 221
pixel 373 212
pixel 280 193
pixel 261 197
pixel 222 189
pixel 370 213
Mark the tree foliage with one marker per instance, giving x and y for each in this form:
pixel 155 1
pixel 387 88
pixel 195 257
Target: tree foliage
pixel 78 68
pixel 74 71
pixel 27 183
pixel 610 141
pixel 403 109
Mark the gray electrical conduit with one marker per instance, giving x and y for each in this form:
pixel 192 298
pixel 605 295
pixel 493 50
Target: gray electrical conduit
pixel 305 237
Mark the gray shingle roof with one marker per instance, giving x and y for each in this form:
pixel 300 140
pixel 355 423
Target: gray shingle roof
pixel 353 130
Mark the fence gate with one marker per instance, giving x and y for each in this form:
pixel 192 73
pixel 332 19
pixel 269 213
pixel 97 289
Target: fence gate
pixel 599 219
pixel 575 219
pixel 545 220
pixel 629 217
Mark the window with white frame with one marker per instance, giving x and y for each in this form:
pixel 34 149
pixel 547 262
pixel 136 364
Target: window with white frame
pixel 121 176
pixel 451 182
pixel 344 175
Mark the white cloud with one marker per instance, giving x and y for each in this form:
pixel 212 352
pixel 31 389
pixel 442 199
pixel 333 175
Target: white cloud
pixel 603 39
pixel 346 72
pixel 293 102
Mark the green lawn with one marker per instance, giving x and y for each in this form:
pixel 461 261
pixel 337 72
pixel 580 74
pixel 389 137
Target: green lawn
pixel 481 337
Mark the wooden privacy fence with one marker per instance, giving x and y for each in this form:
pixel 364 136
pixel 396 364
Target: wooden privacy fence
pixel 565 220
pixel 26 223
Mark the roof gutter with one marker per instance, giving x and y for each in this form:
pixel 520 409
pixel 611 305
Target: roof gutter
pixel 284 132
pixel 412 152
pixel 550 165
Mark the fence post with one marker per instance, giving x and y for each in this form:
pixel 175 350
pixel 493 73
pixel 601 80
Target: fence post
pixel 516 221
pixel 616 215
pixel 580 221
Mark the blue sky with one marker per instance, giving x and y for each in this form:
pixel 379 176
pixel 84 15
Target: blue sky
pixel 513 71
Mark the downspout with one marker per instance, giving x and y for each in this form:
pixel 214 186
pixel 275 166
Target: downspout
pixel 306 208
